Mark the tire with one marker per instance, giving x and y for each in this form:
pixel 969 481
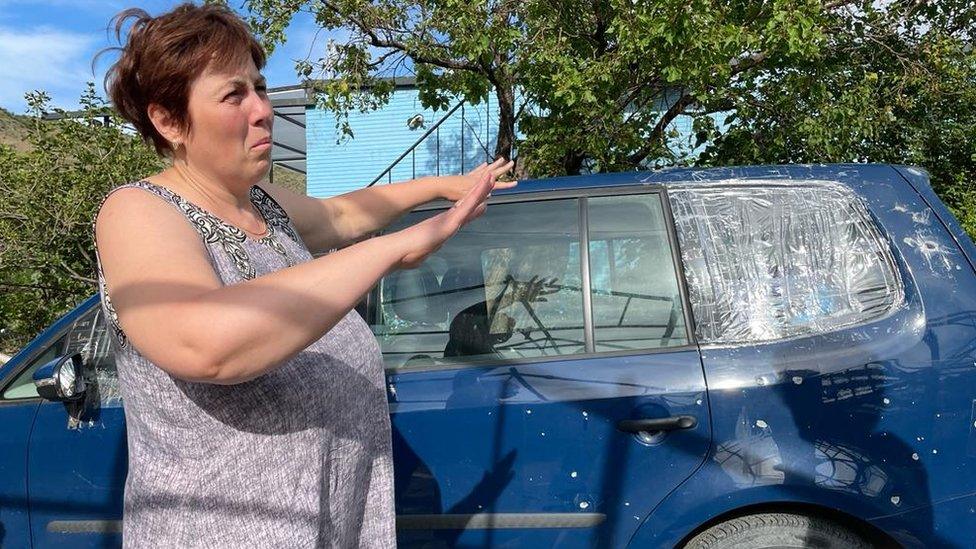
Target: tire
pixel 769 530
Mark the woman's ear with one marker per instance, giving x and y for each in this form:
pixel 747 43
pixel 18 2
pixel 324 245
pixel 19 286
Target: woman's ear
pixel 164 123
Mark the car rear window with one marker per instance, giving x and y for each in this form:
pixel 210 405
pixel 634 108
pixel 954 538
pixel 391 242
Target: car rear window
pixel 770 260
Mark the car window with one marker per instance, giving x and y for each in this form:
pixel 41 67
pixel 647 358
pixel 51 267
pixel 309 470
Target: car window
pixel 506 286
pixel 88 336
pixel 23 385
pixel 635 294
pixel 771 261
pixel 92 337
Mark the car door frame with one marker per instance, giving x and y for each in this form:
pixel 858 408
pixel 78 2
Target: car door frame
pixel 22 359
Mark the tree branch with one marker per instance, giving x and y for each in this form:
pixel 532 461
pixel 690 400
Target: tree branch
pixel 382 59
pixel 747 61
pixel 84 252
pixel 389 42
pixel 77 276
pixel 657 133
pixel 833 4
pixel 521 109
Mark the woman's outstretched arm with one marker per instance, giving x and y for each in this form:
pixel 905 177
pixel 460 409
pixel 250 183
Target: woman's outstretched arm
pixel 327 223
pixel 176 312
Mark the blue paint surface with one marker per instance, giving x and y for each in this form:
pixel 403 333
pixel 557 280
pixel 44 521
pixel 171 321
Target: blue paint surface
pixel 875 422
pixel 542 438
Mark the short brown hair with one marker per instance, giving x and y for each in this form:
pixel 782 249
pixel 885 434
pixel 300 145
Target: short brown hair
pixel 163 55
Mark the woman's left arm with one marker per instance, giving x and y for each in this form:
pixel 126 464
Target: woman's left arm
pixel 327 223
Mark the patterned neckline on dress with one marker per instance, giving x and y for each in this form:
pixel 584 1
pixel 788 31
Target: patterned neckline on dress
pixel 269 230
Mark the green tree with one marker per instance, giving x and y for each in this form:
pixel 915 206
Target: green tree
pixel 596 85
pixel 895 85
pixel 51 192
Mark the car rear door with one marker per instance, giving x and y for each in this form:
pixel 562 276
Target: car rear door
pixel 521 365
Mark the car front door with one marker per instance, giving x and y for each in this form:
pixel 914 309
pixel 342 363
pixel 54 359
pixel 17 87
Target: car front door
pixel 542 392
pixel 19 404
pixel 16 419
pixel 17 411
pixel 77 451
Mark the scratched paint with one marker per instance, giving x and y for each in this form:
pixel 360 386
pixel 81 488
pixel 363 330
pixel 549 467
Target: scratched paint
pixel 937 256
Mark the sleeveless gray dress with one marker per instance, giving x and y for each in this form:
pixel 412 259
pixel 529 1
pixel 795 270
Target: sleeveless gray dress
pixel 299 457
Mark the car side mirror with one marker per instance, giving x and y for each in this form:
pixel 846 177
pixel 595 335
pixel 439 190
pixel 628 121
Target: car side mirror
pixel 60 380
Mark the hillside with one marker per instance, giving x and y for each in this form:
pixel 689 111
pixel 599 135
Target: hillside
pixel 13 130
pixel 292 180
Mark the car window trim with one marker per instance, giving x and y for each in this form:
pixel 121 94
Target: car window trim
pixel 488 362
pixel 679 269
pixel 540 196
pixel 589 332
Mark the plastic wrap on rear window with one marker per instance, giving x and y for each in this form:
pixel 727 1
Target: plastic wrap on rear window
pixel 767 261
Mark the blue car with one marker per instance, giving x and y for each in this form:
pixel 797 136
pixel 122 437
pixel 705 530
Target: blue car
pixel 737 357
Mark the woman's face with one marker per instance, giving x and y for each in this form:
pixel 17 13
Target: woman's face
pixel 231 119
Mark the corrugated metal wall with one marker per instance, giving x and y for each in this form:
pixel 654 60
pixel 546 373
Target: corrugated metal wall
pixel 381 136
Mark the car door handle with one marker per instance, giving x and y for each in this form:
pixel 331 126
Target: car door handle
pixel 657 424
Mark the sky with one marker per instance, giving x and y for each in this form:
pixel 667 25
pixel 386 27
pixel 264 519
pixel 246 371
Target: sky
pixel 49 45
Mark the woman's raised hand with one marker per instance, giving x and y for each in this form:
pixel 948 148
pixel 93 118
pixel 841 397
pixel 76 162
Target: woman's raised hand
pixel 424 238
pixel 453 187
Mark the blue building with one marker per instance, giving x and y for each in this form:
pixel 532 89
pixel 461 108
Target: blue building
pixel 449 142
pixel 400 141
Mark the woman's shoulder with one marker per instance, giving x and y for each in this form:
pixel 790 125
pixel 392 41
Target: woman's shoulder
pixel 151 260
pixel 136 187
pixel 128 211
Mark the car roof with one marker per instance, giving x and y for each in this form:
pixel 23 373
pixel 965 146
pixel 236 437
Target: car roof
pixel 670 176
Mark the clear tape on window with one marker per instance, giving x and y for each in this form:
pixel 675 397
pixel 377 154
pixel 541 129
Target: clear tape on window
pixel 771 260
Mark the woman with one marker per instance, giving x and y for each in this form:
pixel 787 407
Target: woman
pixel 254 396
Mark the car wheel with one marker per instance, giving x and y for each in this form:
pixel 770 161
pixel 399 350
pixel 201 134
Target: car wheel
pixel 770 530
